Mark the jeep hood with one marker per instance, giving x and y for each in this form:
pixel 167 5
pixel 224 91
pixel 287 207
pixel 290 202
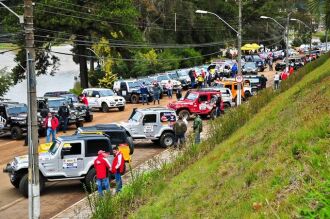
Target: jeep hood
pixel 24 159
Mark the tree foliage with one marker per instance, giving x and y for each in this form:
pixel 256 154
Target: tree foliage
pixel 5 82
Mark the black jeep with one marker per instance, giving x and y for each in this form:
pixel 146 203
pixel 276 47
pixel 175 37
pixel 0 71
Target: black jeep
pixel 116 133
pixel 13 119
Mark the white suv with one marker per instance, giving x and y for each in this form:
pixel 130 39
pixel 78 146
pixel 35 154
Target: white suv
pixel 104 99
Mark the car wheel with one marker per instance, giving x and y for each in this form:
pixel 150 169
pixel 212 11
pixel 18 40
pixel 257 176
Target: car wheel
pixel 167 140
pixel 90 180
pixel 105 108
pixel 79 124
pixel 16 133
pixel 89 118
pixel 185 114
pixel 15 182
pixel 122 108
pixel 24 185
pixel 227 105
pixel 134 99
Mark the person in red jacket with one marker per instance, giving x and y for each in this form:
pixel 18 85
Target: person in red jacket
pixel 102 168
pixel 84 99
pixel 51 124
pixel 118 165
pixel 291 70
pixel 284 76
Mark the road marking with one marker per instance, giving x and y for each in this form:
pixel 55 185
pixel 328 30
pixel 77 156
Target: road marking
pixel 11 204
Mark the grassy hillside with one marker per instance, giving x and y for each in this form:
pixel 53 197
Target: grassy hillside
pixel 275 166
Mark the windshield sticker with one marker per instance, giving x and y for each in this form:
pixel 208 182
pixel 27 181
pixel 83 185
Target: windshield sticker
pixel 70 163
pixel 3 122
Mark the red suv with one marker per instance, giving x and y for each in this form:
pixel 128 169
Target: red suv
pixel 201 102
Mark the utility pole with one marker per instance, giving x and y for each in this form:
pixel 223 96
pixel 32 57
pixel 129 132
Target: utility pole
pixel 326 39
pixel 286 33
pixel 175 21
pixel 34 190
pixel 239 58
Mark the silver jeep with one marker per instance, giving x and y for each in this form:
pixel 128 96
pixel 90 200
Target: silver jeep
pixel 69 158
pixel 155 124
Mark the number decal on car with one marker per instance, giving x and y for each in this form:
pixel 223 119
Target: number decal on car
pixel 70 163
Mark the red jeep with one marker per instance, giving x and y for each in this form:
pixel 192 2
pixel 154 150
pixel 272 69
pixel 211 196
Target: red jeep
pixel 201 102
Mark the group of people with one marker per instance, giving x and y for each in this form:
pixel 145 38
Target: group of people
pixel 282 76
pixel 103 169
pixel 156 90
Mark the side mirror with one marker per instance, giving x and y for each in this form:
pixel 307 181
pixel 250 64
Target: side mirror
pixel 97 96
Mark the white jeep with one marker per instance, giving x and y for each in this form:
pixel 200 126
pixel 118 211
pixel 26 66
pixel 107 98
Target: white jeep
pixel 104 99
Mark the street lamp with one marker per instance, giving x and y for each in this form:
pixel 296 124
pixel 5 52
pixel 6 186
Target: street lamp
pixel 239 37
pixel 286 37
pixel 310 30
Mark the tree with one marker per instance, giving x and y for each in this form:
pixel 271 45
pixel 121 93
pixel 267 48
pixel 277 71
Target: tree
pixel 5 81
pixel 321 7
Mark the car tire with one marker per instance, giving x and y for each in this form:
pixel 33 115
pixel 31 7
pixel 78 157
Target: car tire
pixel 135 99
pixel 122 108
pixel 167 139
pixel 89 118
pixel 90 180
pixel 16 133
pixel 16 182
pixel 185 114
pixel 227 105
pixel 79 124
pixel 24 185
pixel 105 107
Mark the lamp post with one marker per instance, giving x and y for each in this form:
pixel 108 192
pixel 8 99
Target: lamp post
pixel 310 31
pixel 239 38
pixel 286 36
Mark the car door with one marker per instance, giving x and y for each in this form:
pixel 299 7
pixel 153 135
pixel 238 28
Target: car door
pixel 72 159
pixel 93 97
pixel 150 125
pixel 203 103
pixel 123 89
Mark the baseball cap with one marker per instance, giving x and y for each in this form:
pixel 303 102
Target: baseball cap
pixel 100 152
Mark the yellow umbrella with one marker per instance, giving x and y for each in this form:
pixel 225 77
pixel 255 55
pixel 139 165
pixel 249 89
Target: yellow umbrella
pixel 247 47
pixel 255 46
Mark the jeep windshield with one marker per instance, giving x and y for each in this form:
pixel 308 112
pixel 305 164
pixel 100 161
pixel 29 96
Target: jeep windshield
pixel 16 110
pixel 52 150
pixel 173 76
pixel 56 103
pixel 106 93
pixel 134 84
pixel 250 65
pixel 163 78
pixel 191 96
pixel 136 117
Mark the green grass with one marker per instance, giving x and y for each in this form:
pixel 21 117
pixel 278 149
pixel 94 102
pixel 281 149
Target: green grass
pixel 275 160
pixel 262 159
pixel 7 46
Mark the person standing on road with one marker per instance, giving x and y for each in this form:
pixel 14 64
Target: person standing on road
pixel 192 77
pixel 64 114
pixel 144 92
pixel 156 90
pixel 118 165
pixel 84 99
pixel 198 128
pixel 263 81
pixel 220 107
pixel 179 93
pixel 276 81
pixel 102 167
pixel 270 64
pixel 51 124
pixel 169 88
pixel 234 70
pixel 180 129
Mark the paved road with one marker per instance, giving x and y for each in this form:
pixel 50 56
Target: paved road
pixel 60 195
